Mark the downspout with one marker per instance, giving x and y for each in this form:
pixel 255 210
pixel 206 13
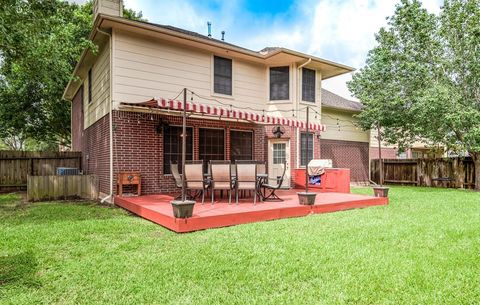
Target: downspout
pixel 110 119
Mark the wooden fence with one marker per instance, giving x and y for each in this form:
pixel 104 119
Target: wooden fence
pixel 15 166
pixel 448 172
pixel 62 187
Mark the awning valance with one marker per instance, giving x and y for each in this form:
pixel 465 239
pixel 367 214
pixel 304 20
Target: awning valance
pixel 223 111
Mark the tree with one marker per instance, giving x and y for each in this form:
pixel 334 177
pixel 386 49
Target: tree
pixel 422 81
pixel 40 43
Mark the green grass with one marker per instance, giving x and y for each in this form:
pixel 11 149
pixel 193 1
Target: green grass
pixel 423 248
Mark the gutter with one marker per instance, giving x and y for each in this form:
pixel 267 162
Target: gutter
pixel 110 119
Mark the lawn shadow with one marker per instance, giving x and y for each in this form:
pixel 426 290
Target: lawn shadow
pixel 19 269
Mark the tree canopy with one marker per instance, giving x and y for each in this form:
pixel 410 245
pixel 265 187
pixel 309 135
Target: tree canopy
pixel 40 43
pixel 422 81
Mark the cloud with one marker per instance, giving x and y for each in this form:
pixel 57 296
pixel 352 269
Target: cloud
pixel 341 31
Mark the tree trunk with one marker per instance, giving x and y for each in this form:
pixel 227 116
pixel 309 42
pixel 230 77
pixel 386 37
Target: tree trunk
pixel 476 162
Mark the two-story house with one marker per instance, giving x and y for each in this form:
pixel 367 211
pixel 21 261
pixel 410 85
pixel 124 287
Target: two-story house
pixel 242 104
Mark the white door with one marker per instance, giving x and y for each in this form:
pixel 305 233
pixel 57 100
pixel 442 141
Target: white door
pixel 278 153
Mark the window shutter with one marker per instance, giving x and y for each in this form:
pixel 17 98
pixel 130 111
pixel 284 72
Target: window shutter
pixel 279 83
pixel 308 85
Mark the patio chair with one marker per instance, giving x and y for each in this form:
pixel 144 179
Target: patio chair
pixel 194 179
pixel 274 186
pixel 221 178
pixel 176 176
pixel 261 167
pixel 246 178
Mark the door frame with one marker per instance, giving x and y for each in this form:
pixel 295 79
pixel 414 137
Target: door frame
pixel 288 173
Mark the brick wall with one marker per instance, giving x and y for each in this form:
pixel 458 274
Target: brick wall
pixel 387 153
pixel 348 154
pixel 96 152
pixel 138 147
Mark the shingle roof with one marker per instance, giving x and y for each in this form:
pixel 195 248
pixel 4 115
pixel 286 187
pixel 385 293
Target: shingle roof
pixel 194 34
pixel 330 99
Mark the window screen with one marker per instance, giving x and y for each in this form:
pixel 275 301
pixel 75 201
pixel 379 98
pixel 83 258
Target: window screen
pixel 172 147
pixel 279 83
pixel 241 145
pixel 308 85
pixel 303 147
pixel 211 145
pixel 222 75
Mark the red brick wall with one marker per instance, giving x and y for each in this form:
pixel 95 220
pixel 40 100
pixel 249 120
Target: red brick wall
pixel 77 120
pixel 96 152
pixel 348 154
pixel 387 153
pixel 137 146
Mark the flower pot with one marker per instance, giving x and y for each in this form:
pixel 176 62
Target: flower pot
pixel 306 198
pixel 182 209
pixel 380 191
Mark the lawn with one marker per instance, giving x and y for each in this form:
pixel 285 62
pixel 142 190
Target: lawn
pixel 423 248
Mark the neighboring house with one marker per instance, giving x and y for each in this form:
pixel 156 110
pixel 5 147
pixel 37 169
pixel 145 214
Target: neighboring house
pixel 418 150
pixel 122 120
pixel 343 141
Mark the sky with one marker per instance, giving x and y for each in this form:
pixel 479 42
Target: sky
pixel 338 30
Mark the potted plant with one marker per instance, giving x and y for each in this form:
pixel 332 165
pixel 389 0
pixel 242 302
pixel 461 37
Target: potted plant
pixel 306 198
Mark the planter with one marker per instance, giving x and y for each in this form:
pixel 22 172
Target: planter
pixel 380 191
pixel 306 198
pixel 182 209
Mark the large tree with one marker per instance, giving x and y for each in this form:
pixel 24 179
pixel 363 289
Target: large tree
pixel 422 81
pixel 40 43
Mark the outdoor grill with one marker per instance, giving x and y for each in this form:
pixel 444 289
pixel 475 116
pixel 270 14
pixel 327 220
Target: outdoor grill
pixel 316 168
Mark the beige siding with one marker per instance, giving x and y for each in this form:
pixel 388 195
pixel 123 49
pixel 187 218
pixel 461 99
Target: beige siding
pixel 99 106
pixel 145 68
pixel 341 126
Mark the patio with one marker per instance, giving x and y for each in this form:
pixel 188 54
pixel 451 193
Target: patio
pixel 157 209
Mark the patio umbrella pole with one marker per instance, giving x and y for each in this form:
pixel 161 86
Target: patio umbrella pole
pixel 379 137
pixel 183 208
pixel 184 140
pixel 306 154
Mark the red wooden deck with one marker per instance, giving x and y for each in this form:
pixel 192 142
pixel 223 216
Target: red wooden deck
pixel 157 208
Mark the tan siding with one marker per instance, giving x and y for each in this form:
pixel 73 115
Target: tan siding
pixel 146 68
pixel 345 130
pixel 99 106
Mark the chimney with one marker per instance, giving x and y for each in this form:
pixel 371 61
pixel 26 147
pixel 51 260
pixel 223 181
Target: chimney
pixel 209 25
pixel 223 35
pixel 107 7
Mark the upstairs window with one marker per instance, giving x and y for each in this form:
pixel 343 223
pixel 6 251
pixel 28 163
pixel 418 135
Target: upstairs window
pixel 279 83
pixel 90 86
pixel 303 146
pixel 222 75
pixel 308 85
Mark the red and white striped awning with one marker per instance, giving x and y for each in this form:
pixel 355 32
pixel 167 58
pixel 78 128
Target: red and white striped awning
pixel 227 113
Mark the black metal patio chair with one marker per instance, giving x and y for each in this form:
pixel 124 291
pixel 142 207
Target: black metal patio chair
pixel 271 188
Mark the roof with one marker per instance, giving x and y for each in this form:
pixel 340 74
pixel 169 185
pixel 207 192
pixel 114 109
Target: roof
pixel 330 99
pixel 268 56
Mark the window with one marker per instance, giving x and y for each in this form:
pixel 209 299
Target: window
pixel 279 153
pixel 212 145
pixel 172 146
pixel 90 86
pixel 241 145
pixel 279 83
pixel 303 146
pixel 308 85
pixel 222 75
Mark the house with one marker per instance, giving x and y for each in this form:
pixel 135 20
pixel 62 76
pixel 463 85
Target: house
pixel 418 150
pixel 126 101
pixel 346 144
